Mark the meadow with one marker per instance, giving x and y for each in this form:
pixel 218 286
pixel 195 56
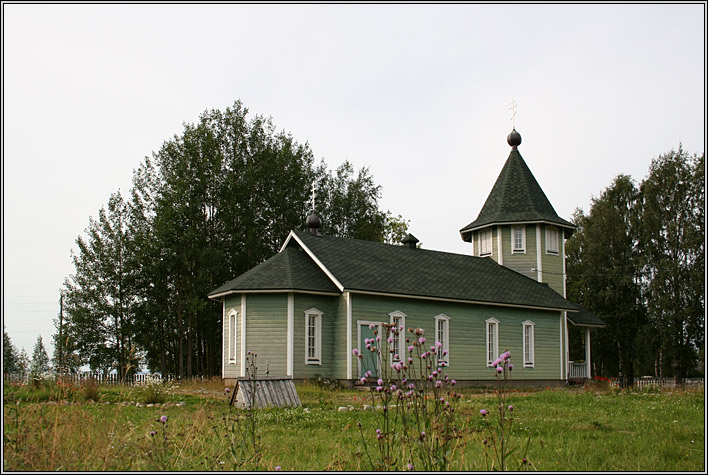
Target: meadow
pixel 192 427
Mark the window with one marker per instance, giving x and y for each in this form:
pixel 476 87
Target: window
pixel 485 243
pixel 528 343
pixel 442 335
pixel 398 319
pixel 492 340
pixel 231 342
pixel 551 241
pixel 313 336
pixel 518 240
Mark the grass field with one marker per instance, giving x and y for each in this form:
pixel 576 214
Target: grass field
pixel 571 429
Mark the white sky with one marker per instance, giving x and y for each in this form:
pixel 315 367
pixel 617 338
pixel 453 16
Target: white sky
pixel 418 93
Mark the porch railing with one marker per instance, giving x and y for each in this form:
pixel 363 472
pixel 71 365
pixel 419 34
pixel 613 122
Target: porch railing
pixel 577 370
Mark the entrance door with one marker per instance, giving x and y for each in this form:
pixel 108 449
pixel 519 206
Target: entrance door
pixel 369 362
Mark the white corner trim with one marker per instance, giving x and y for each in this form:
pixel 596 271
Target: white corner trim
pixel 348 297
pixel 224 324
pixel 561 236
pixel 500 247
pixel 560 343
pixel 539 259
pixel 314 258
pixel 243 335
pixel 291 334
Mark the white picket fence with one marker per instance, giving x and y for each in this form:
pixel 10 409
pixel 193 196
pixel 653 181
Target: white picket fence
pixel 103 378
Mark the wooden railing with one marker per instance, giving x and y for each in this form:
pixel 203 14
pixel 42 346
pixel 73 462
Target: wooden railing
pixel 577 370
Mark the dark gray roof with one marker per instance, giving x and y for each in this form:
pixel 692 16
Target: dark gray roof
pixel 515 197
pixel 584 317
pixel 382 268
pixel 290 269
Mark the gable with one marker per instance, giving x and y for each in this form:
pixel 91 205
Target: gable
pixel 289 270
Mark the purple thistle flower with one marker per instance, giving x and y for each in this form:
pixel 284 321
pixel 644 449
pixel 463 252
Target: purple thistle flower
pixel 363 380
pixel 378 431
pixel 163 418
pixel 152 432
pixel 438 344
pixel 422 434
pixel 380 382
pixel 393 387
pixel 410 467
pixel 453 382
pixel 421 340
pixel 410 360
pixel 444 353
pixel 511 366
pixel 277 469
pixel 483 412
pixel 390 340
pixel 227 389
pixel 379 388
pixel 410 349
pixel 368 373
pixel 438 384
pixel 499 369
pixel 372 326
pixel 355 351
pixel 496 362
pixel 511 408
pixel 378 338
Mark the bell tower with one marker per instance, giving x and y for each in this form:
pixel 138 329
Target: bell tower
pixel 518 227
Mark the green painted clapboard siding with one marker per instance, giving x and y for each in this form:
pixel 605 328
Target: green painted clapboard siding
pixel 231 302
pixel 468 333
pixel 326 305
pixel 339 342
pixel 266 331
pixel 521 262
pixel 552 264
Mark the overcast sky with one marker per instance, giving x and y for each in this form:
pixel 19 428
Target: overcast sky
pixel 418 93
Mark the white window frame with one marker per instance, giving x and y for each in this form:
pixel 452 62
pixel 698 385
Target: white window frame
pixel 528 347
pixel 493 350
pixel 522 249
pixel 400 345
pixel 552 237
pixel 445 320
pixel 316 359
pixel 232 323
pixel 485 243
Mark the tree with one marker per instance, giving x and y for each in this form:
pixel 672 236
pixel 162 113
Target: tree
pixel 604 274
pixel 671 239
pixel 212 203
pixel 101 295
pixel 40 358
pixel 10 357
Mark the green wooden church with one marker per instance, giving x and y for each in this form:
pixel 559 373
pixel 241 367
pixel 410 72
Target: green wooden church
pixel 306 308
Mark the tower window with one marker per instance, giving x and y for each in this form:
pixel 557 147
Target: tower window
pixel 551 241
pixel 485 243
pixel 518 240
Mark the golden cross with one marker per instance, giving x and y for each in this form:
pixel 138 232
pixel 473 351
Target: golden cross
pixel 513 112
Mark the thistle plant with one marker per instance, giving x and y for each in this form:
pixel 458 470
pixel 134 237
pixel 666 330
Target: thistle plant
pixel 417 402
pixel 497 447
pixel 241 426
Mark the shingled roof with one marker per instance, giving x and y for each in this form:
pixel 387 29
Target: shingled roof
pixel 291 269
pixel 515 197
pixel 372 267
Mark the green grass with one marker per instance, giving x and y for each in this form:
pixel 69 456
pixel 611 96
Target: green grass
pixel 571 430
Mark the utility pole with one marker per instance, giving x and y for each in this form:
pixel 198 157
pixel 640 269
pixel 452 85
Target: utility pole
pixel 61 334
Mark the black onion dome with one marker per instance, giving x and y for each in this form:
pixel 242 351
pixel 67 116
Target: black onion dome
pixel 514 138
pixel 313 221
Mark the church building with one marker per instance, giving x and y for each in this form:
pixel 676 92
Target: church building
pixel 306 308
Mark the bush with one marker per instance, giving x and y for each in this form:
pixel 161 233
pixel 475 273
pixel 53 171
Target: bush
pixel 154 391
pixel 90 389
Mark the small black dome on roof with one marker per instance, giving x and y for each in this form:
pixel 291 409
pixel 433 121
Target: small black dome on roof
pixel 313 223
pixel 514 138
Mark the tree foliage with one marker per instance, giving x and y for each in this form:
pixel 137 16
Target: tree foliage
pixel 212 203
pixel 40 358
pixel 10 356
pixel 637 261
